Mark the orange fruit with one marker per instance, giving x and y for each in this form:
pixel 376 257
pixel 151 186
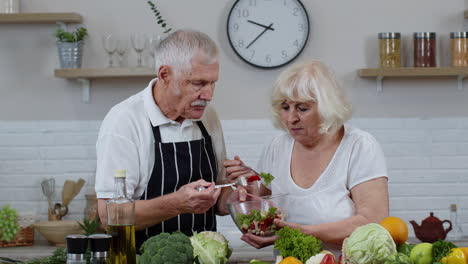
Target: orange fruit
pixel 397 229
pixel 290 260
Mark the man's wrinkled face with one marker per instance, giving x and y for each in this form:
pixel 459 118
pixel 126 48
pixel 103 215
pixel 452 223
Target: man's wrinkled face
pixel 195 88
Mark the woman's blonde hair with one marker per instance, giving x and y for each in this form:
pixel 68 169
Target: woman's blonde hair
pixel 312 81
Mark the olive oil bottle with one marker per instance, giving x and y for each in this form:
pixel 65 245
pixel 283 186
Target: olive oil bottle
pixel 121 223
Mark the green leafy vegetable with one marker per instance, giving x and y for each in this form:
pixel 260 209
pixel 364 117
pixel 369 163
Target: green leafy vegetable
pixel 58 257
pixel 210 247
pixel 294 243
pixel 369 244
pixel 267 178
pixel 440 249
pixel 259 222
pixel 397 258
pixel 167 248
pixel 255 215
pixel 405 248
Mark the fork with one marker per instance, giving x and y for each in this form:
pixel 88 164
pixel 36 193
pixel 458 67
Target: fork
pixel 240 181
pixel 249 168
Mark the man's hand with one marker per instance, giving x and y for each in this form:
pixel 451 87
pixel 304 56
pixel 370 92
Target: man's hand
pixel 190 200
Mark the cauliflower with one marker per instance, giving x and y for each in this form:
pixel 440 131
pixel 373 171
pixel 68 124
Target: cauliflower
pixel 316 259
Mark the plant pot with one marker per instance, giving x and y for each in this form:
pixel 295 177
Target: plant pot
pixel 70 54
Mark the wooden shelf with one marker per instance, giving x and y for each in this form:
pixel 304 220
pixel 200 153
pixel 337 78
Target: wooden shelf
pixel 381 73
pixel 85 75
pixel 40 18
pixel 105 73
pixel 412 72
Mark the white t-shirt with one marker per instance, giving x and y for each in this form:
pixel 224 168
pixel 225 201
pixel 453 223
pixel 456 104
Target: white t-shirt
pixel 358 158
pixel 126 141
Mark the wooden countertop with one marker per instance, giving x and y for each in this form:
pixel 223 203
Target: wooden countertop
pixel 240 255
pixel 42 249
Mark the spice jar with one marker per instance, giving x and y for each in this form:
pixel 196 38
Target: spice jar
pixel 389 49
pixel 459 47
pixel 424 49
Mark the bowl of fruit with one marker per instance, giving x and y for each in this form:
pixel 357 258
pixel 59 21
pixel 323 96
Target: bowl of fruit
pixel 256 215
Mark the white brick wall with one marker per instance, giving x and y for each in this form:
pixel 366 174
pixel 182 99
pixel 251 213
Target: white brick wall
pixel 427 161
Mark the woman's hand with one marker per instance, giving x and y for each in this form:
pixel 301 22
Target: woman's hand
pixel 281 223
pixel 261 242
pixel 235 169
pixel 258 241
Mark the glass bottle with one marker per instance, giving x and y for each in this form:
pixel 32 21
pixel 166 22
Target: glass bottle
pixel 76 249
pixel 121 223
pixel 99 245
pixel 424 49
pixel 91 211
pixel 459 47
pixel 457 232
pixel 389 49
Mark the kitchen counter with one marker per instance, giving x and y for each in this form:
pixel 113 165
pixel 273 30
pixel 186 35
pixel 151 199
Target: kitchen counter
pixel 42 249
pixel 240 255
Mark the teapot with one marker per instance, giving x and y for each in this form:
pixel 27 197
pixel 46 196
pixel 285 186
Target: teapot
pixel 431 229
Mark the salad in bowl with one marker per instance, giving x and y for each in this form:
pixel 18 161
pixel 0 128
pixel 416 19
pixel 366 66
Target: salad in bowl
pixel 256 215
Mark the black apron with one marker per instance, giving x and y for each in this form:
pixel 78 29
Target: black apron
pixel 176 164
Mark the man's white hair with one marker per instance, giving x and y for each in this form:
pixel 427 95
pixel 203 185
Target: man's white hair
pixel 312 81
pixel 178 49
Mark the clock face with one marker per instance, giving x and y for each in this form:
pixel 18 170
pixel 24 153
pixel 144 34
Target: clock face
pixel 268 33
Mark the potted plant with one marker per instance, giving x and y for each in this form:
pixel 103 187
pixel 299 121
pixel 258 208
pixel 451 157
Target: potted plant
pixel 70 47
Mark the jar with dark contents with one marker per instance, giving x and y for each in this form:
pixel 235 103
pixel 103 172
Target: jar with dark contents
pixel 424 49
pixel 389 49
pixel 459 48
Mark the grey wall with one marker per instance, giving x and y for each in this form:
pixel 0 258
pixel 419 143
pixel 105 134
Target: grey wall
pixel 343 34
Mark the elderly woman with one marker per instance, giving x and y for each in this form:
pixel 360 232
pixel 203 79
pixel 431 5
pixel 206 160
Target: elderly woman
pixel 335 174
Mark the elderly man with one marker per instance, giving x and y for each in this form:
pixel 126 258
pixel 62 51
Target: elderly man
pixel 169 141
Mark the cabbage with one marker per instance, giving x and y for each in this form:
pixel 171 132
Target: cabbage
pixel 369 244
pixel 210 247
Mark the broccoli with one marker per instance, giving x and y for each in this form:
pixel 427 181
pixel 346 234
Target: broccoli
pixel 167 248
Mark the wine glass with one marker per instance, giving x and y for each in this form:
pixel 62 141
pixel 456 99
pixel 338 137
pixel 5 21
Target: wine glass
pixel 139 43
pixel 153 40
pixel 109 42
pixel 122 46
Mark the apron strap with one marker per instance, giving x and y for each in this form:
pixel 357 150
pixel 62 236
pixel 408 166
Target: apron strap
pixel 156 133
pixel 203 129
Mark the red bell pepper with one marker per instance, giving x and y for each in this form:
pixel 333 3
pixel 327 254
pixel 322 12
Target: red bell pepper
pixel 328 259
pixel 253 178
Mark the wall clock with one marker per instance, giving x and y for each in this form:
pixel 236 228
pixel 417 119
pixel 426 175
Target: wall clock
pixel 268 33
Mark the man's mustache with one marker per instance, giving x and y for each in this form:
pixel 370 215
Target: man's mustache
pixel 200 103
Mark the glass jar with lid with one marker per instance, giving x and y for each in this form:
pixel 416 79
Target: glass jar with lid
pixel 459 48
pixel 424 49
pixel 389 49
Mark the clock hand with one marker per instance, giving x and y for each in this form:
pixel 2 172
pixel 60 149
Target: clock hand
pixel 269 27
pixel 258 24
